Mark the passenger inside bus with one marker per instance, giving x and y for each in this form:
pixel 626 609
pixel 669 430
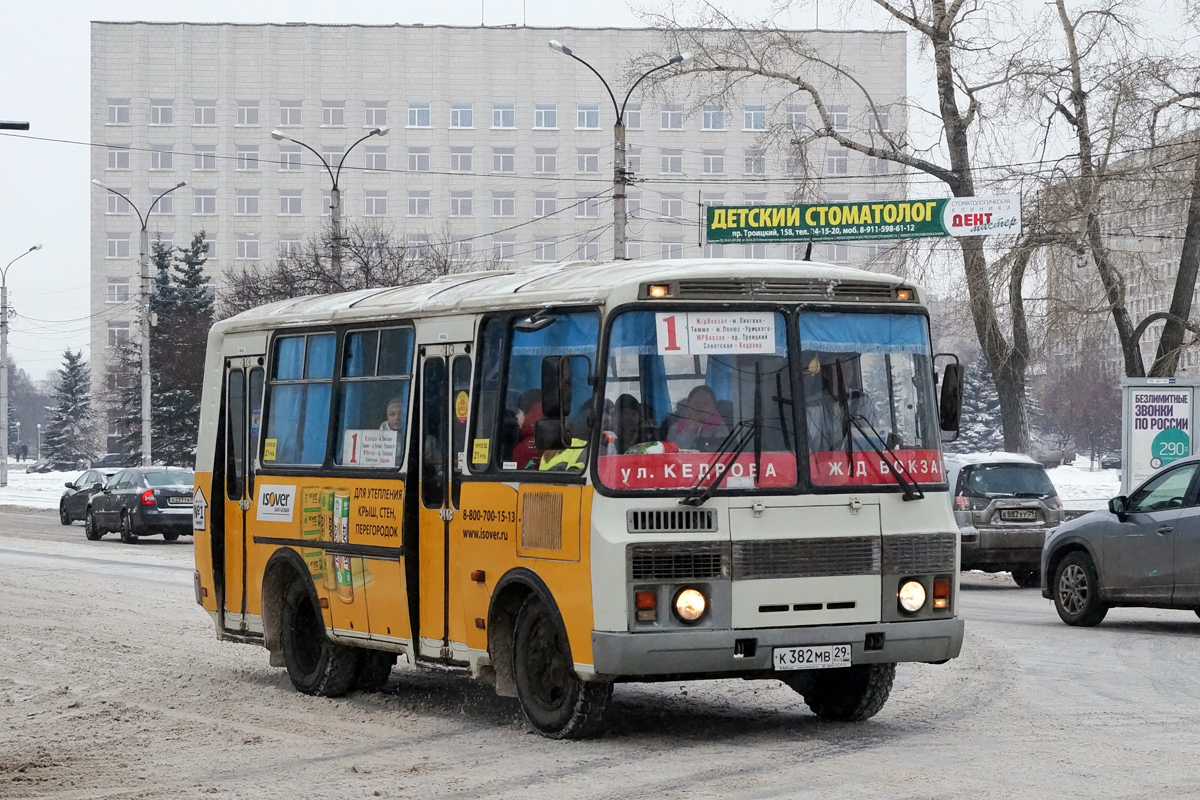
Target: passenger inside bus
pixel 833 396
pixel 695 424
pixel 527 454
pixel 395 415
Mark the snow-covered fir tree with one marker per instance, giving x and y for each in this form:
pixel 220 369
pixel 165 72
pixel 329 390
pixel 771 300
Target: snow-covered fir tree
pixel 70 438
pixel 981 429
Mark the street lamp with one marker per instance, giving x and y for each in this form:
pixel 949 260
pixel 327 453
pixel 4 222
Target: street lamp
pixel 620 176
pixel 144 264
pixel 38 455
pixel 4 364
pixel 335 194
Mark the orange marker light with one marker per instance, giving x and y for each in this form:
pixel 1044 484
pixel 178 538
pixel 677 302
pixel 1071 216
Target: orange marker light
pixel 645 600
pixel 941 593
pixel 658 290
pixel 478 576
pixel 904 294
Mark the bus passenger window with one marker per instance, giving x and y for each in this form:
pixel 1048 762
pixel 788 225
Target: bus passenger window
pixel 300 389
pixel 373 397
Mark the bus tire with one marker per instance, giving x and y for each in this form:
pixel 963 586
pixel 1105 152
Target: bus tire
pixel 373 670
pixel 849 694
pixel 555 701
pixel 315 665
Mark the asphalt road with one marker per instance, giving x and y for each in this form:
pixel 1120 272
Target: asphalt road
pixel 112 684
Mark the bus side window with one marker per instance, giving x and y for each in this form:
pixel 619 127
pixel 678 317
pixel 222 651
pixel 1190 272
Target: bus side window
pixel 373 397
pixel 300 388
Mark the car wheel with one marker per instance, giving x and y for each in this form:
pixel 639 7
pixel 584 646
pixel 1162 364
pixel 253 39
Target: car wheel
pixel 63 516
pixel 1077 591
pixel 90 530
pixel 315 665
pixel 1027 578
pixel 556 703
pixel 846 694
pixel 170 537
pixel 127 534
pixel 373 670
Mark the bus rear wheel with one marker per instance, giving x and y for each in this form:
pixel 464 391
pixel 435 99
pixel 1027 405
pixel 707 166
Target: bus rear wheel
pixel 315 665
pixel 555 701
pixel 372 671
pixel 848 694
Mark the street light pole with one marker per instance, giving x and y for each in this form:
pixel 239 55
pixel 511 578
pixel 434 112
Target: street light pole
pixel 4 365
pixel 621 178
pixel 335 193
pixel 144 268
pixel 38 455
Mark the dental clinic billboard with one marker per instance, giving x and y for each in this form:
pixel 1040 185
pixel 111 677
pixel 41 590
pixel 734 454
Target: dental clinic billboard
pixel 875 219
pixel 1158 420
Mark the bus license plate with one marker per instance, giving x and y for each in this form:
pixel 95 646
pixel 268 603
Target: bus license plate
pixel 823 657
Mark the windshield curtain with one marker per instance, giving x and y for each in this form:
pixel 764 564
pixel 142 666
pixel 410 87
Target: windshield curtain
pixel 683 391
pixel 867 380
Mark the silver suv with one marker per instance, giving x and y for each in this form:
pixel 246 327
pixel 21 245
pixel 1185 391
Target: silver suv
pixel 1005 505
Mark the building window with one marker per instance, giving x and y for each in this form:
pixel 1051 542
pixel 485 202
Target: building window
pixel 418 114
pixel 290 202
pixel 289 246
pixel 503 249
pixel 714 118
pixel 755 250
pixel 377 204
pixel 545 250
pixel 247 201
pixel 376 158
pixel 333 155
pixel 633 250
pixel 117 204
pixel 289 113
pixel 797 117
pixel 205 157
pixel 545 159
pixel 839 118
pixel 247 112
pixel 165 205
pixel 333 113
pixel 118 333
pixel 161 157
pixel 877 250
pixel 545 204
pixel 633 205
pixel 204 113
pixel 714 251
pixel 633 159
pixel 712 198
pixel 460 204
pixel 460 159
pixel 756 198
pixel 633 116
pixel 880 119
pixel 418 159
pixel 118 290
pixel 503 159
pixel 462 115
pixel 375 115
pixel 545 115
pixel 671 248
pixel 460 249
pixel 756 162
pixel 118 112
pixel 588 116
pixel 877 166
pixel 672 117
pixel 289 158
pixel 504 115
pixel 712 162
pixel 118 157
pixel 247 156
pixel 247 245
pixel 418 204
pixel 588 250
pixel 588 159
pixel 587 207
pixel 756 118
pixel 671 206
pixel 162 112
pixel 204 201
pixel 672 161
pixel 503 204
pixel 837 253
pixel 837 161
pixel 118 246
pixel 326 203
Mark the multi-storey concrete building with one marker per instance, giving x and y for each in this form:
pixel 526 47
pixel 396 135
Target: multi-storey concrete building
pixel 495 142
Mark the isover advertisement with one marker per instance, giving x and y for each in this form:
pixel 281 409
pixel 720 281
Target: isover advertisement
pixel 1159 419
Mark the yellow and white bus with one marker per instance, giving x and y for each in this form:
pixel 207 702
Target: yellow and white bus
pixel 559 477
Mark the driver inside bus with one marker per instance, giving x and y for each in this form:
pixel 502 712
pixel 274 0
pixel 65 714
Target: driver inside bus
pixel 833 397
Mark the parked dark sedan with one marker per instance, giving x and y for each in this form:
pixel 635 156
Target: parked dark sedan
pixel 73 504
pixel 1144 550
pixel 142 501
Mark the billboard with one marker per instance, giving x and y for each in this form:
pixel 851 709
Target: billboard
pixel 1158 419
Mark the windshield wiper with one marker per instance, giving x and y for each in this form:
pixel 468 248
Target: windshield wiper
pixel 912 490
pixel 734 444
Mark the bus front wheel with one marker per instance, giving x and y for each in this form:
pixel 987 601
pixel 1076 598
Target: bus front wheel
pixel 848 694
pixel 316 665
pixel 555 701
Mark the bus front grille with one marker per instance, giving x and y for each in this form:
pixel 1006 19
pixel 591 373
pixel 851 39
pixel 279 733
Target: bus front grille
pixel 916 553
pixel 783 289
pixel 683 520
pixel 805 558
pixel 677 561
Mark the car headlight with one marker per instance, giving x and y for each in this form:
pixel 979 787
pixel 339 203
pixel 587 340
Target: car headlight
pixel 690 605
pixel 912 596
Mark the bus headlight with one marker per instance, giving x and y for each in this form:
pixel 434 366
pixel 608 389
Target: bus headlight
pixel 690 605
pixel 912 596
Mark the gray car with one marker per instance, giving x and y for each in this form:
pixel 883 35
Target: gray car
pixel 1144 550
pixel 1004 504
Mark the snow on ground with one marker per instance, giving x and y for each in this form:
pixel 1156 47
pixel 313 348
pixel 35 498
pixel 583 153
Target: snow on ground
pixel 1079 487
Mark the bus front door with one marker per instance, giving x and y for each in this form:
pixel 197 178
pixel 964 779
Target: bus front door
pixel 445 385
pixel 243 414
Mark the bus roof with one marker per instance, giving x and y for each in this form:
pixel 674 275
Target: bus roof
pixel 575 283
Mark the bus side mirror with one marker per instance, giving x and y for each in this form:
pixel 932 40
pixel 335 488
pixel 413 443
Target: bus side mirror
pixel 556 387
pixel 950 402
pixel 551 434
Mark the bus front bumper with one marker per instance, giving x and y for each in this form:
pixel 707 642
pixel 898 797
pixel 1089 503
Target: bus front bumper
pixel 743 651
